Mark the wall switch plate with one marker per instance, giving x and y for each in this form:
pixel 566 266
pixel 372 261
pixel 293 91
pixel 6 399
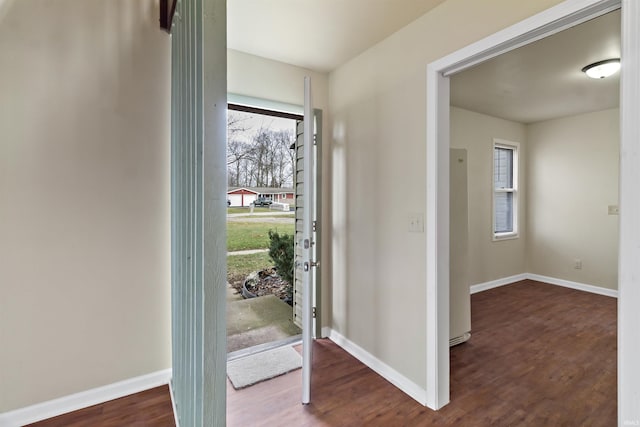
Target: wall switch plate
pixel 416 223
pixel 614 210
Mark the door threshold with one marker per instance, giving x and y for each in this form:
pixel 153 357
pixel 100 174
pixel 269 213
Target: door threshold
pixel 238 354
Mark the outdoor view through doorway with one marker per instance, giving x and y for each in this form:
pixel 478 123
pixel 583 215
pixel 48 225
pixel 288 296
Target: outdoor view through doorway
pixel 261 159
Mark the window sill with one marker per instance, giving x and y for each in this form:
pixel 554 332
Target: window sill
pixel 505 236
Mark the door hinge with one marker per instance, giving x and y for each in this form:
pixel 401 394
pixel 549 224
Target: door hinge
pixel 314 225
pixel 313 312
pixel 315 263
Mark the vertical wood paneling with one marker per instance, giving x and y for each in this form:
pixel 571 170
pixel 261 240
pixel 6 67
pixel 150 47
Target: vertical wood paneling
pixel 198 211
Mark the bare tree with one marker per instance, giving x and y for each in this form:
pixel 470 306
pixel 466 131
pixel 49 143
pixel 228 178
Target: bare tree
pixel 264 160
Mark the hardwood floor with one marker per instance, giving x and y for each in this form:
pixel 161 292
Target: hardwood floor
pixel 540 355
pixel 150 408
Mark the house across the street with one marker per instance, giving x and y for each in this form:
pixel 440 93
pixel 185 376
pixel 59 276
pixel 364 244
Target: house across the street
pixel 244 196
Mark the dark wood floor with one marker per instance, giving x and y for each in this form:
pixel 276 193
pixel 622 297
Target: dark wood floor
pixel 150 408
pixel 540 355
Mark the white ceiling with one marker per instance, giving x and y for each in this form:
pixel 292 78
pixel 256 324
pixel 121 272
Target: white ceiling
pixel 537 82
pixel 544 80
pixel 316 34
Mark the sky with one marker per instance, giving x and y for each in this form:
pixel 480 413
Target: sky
pixel 252 122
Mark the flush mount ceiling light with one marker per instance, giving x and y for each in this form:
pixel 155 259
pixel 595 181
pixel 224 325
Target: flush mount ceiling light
pixel 602 69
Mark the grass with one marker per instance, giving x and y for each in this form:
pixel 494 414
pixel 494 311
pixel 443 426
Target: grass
pixel 239 266
pixel 238 210
pixel 252 235
pixel 291 215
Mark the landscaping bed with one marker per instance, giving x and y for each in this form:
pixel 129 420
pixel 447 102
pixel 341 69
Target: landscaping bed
pixel 266 282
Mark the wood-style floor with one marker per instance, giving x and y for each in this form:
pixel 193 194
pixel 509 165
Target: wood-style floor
pixel 150 408
pixel 540 355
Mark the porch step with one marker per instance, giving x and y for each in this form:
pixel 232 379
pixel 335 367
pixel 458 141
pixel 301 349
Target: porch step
pixel 257 321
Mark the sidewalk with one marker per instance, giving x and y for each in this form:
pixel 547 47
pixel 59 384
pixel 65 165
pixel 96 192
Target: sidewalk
pixel 270 213
pixel 247 252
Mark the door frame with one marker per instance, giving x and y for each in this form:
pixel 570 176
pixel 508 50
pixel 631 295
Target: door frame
pixel 548 22
pixel 250 104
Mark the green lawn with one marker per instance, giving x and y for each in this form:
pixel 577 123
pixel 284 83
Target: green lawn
pixel 239 266
pixel 252 235
pixel 291 215
pixel 238 210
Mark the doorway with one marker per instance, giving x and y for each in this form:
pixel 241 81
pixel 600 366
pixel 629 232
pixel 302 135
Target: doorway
pixel 261 171
pixel 549 22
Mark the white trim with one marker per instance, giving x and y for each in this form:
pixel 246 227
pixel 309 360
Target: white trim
pixel 387 372
pixel 574 285
pixel 474 289
pixel 480 287
pixel 83 399
pixel 265 104
pixel 555 19
pixel 514 190
pixel 230 192
pixel 173 405
pixel 629 253
pixel 325 331
pixel 546 23
pixel 437 241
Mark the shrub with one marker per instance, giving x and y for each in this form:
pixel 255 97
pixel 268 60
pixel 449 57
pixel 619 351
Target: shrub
pixel 282 253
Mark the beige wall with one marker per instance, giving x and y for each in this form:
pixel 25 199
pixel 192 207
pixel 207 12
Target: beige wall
pixel 378 108
pixel 489 260
pixel 85 197
pixel 573 174
pixel 257 77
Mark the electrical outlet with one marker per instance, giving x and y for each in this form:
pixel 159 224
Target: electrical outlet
pixel 577 264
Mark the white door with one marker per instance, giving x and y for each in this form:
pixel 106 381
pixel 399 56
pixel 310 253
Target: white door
pixel 306 242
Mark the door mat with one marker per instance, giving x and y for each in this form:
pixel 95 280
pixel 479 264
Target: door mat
pixel 262 366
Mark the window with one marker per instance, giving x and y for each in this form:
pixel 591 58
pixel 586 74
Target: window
pixel 505 189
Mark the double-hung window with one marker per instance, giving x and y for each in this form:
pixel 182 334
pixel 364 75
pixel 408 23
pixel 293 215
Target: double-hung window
pixel 505 189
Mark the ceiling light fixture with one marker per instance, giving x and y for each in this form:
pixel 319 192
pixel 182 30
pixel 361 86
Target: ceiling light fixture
pixel 602 69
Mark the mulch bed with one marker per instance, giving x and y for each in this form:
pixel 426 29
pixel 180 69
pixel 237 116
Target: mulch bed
pixel 264 282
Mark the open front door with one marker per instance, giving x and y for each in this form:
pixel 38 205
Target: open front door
pixel 305 242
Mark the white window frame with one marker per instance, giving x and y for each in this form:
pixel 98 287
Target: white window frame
pixel 515 147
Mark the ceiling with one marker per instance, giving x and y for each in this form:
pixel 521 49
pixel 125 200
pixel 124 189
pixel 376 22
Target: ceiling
pixel 317 34
pixel 544 80
pixel 537 82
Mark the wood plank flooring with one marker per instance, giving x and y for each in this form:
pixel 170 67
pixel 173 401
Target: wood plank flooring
pixel 540 355
pixel 150 408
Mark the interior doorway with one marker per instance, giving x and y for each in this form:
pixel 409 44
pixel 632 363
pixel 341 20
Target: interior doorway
pixel 551 21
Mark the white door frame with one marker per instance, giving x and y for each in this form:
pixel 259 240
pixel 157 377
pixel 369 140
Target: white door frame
pixel 553 20
pixel 307 245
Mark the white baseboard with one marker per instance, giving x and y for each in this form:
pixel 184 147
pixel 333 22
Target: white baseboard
pixel 496 283
pixel 326 332
pixel 574 285
pixel 84 399
pixel 387 372
pixel 173 405
pixel 551 280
